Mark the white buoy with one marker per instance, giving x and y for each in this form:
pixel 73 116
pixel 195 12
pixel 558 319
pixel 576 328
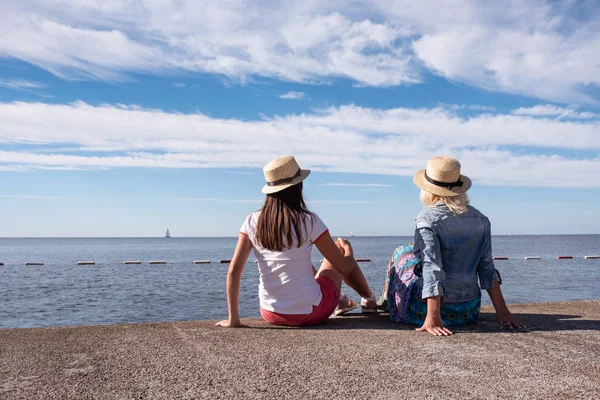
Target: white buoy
pixel 86 262
pixel 34 263
pixel 591 257
pixel 533 258
pixel 132 262
pixel 202 262
pixel 157 262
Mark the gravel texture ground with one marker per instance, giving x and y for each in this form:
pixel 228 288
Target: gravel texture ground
pixel 352 357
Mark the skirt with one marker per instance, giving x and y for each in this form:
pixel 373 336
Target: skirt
pixel 404 294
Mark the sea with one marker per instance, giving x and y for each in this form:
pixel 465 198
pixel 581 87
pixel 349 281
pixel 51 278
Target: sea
pixel 61 293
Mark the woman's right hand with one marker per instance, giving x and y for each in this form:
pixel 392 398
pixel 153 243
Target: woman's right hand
pixel 434 325
pixel 346 246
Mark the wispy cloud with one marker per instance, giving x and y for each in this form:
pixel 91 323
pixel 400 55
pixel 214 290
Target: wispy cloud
pixel 534 48
pixel 293 95
pixel 207 199
pixel 469 107
pixel 546 110
pixel 31 197
pixel 179 85
pixel 20 84
pixel 362 185
pixel 478 107
pixel 348 139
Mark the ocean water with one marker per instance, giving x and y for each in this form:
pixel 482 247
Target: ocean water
pixel 63 293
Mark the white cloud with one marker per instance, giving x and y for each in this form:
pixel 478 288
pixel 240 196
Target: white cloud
pixel 293 95
pixel 347 139
pixel 546 110
pixel 478 107
pixel 363 185
pixel 30 197
pixel 543 49
pixel 179 85
pixel 20 84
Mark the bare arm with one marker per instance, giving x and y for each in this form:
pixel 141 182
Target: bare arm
pixel 344 264
pixel 433 322
pixel 504 315
pixel 234 276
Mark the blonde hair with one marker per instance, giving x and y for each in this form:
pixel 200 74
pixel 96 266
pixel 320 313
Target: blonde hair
pixel 458 204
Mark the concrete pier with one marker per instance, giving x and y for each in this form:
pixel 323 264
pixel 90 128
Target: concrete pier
pixel 353 357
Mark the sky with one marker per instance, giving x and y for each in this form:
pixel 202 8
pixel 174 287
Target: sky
pixel 125 118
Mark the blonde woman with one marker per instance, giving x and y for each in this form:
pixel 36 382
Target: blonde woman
pixel 437 282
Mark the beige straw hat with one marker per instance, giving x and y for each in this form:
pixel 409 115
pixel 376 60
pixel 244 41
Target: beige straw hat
pixel 442 177
pixel 281 173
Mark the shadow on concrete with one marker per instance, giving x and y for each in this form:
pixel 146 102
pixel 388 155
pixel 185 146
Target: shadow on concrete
pixel 486 323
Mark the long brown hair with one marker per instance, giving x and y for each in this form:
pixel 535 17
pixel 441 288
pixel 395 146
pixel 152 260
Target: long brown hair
pixel 282 212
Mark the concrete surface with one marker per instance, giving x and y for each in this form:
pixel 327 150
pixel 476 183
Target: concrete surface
pixel 356 357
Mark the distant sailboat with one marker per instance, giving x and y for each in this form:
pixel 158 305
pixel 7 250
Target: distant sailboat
pixel 351 234
pixel 168 234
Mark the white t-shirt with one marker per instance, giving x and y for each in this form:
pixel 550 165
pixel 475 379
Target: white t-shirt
pixel 287 284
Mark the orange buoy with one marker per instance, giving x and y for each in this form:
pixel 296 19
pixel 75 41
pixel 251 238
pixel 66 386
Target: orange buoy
pixel 225 261
pixel 500 258
pixel 363 260
pixel 564 257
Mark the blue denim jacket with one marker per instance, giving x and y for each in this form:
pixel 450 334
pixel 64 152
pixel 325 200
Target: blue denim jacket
pixel 456 249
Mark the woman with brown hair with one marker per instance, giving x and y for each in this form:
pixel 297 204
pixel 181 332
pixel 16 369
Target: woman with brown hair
pixel 282 234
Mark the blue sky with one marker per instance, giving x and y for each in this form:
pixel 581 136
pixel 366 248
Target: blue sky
pixel 127 118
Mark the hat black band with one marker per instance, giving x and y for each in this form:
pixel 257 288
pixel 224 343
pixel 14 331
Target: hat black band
pixel 448 185
pixel 285 180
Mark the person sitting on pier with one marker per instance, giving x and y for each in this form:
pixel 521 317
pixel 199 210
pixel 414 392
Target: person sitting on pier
pixel 282 234
pixel 433 282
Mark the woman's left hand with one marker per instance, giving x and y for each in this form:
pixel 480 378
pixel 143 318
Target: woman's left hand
pixel 435 326
pixel 505 317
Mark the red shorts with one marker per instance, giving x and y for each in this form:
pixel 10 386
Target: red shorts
pixel 329 301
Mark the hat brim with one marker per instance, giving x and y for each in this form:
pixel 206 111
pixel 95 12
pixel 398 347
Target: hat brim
pixel 274 189
pixel 419 180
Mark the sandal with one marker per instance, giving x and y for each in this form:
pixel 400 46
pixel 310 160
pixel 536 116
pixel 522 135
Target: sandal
pixel 368 305
pixel 345 305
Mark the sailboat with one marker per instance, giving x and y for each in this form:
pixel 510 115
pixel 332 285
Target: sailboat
pixel 168 234
pixel 351 234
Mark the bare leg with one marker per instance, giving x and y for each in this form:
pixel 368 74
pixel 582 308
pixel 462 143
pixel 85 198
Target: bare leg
pixel 356 280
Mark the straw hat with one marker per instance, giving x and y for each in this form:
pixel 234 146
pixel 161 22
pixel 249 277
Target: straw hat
pixel 442 177
pixel 281 173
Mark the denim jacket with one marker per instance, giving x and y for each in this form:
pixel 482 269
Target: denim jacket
pixel 456 250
